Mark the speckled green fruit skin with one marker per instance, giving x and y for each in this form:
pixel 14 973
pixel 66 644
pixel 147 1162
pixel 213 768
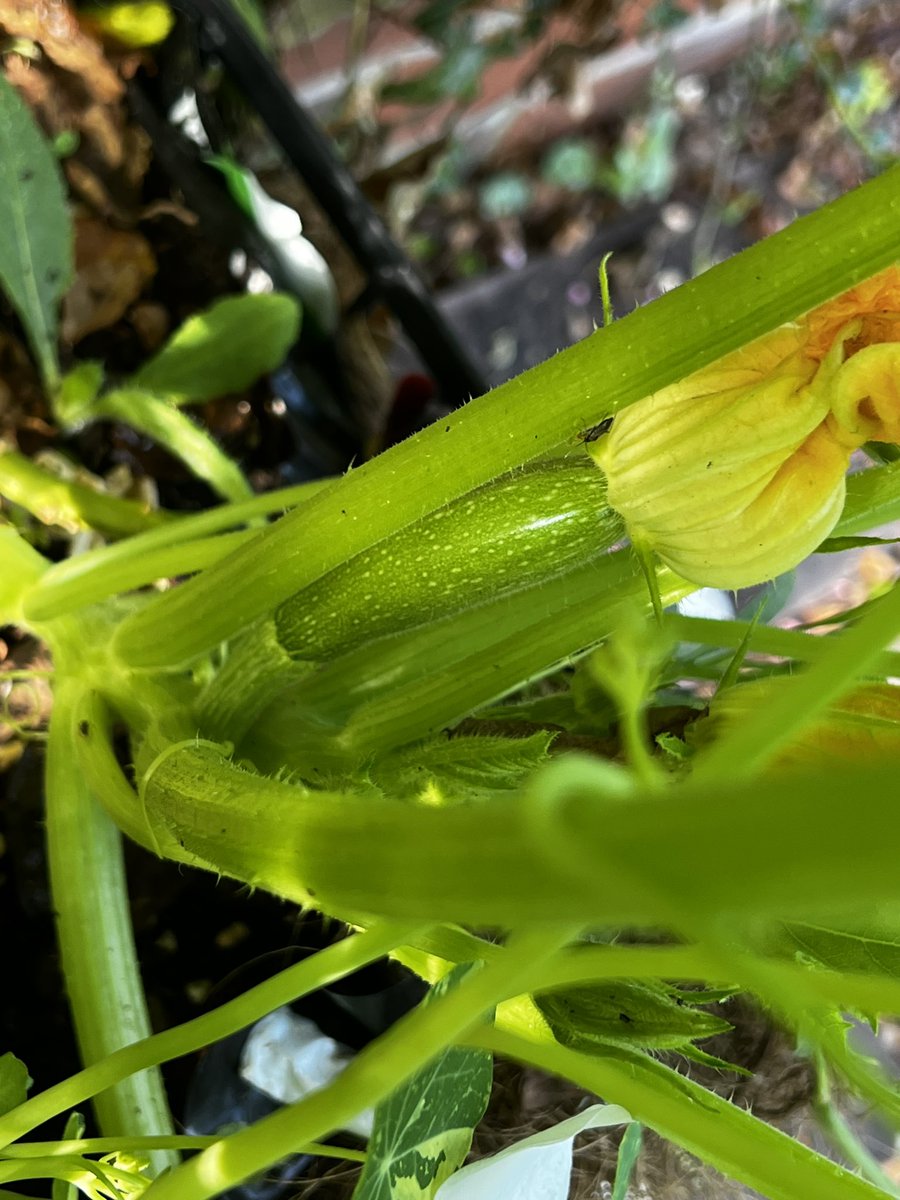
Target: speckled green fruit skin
pixel 510 534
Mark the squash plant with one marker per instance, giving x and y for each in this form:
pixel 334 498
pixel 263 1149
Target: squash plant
pixel 287 708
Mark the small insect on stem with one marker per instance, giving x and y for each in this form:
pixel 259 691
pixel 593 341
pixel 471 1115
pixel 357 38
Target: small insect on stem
pixel 595 432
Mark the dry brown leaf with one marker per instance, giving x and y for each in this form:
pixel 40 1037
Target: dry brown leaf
pixel 87 186
pixel 21 394
pixel 112 267
pixel 54 27
pixel 73 87
pixel 151 323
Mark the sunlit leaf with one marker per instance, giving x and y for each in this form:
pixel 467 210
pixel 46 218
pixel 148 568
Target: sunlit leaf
pixel 835 545
pixel 461 769
pixel 178 433
pixel 14 1082
pixel 223 349
pixel 62 1189
pixel 872 949
pixel 423 1130
pixel 136 24
pixel 629 1151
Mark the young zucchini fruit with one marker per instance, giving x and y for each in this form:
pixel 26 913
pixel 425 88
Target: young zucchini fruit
pixel 512 533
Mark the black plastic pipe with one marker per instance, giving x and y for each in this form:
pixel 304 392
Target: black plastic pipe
pixel 392 276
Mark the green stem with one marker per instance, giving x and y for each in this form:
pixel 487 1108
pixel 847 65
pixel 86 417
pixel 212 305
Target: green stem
pixel 873 498
pixel 176 432
pixel 61 596
pixel 764 639
pixel 95 938
pixel 72 505
pixel 140 1145
pixel 22 570
pixel 636 747
pixel 678 1109
pixel 585 964
pixel 371 1076
pixel 613 863
pixel 626 1160
pixel 304 977
pixel 842 1136
pixel 514 424
pixel 94 576
pixel 96 757
pixel 41 1168
pixel 762 734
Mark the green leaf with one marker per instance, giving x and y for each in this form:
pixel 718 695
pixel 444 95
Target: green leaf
pixel 873 498
pixel 629 1151
pixel 223 349
pixel 14 1082
pixel 462 769
pixel 62 1189
pixel 674 746
pixel 873 950
pixel 36 243
pixel 177 433
pixel 765 607
pixel 423 1130
pixel 644 162
pixel 835 545
pixel 78 391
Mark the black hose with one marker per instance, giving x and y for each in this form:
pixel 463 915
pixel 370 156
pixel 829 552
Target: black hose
pixel 392 276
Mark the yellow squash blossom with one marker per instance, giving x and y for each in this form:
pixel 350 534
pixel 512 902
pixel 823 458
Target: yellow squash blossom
pixel 736 473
